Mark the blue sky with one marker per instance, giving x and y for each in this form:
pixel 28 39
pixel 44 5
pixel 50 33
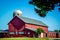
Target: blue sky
pixel 7 7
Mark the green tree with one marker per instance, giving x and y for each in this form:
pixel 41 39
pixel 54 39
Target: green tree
pixel 39 31
pixel 43 6
pixel 57 30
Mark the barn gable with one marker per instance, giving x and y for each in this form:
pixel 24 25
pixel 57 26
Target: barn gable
pixel 17 22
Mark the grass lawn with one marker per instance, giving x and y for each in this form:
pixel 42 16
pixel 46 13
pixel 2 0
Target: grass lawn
pixel 24 39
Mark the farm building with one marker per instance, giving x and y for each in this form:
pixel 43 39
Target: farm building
pixel 21 26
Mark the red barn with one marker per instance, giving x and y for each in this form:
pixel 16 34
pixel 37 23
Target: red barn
pixel 21 26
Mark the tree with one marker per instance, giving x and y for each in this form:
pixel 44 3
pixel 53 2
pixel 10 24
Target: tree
pixel 43 6
pixel 57 31
pixel 39 31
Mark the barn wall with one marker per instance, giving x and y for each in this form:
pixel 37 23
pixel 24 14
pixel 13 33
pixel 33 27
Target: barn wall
pixel 51 34
pixel 32 34
pixel 13 29
pixel 37 26
pixel 59 35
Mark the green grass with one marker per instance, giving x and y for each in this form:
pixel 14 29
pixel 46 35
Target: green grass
pixel 24 39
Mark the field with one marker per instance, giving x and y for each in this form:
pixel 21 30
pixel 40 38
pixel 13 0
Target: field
pixel 29 38
pixel 24 39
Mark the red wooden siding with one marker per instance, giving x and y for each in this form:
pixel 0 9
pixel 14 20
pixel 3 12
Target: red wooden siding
pixel 29 31
pixel 17 23
pixel 59 35
pixel 51 34
pixel 37 26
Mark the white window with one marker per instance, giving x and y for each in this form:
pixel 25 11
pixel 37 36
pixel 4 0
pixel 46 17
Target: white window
pixel 11 32
pixel 28 32
pixel 21 32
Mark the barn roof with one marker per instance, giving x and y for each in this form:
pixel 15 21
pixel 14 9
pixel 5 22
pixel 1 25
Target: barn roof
pixel 32 21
